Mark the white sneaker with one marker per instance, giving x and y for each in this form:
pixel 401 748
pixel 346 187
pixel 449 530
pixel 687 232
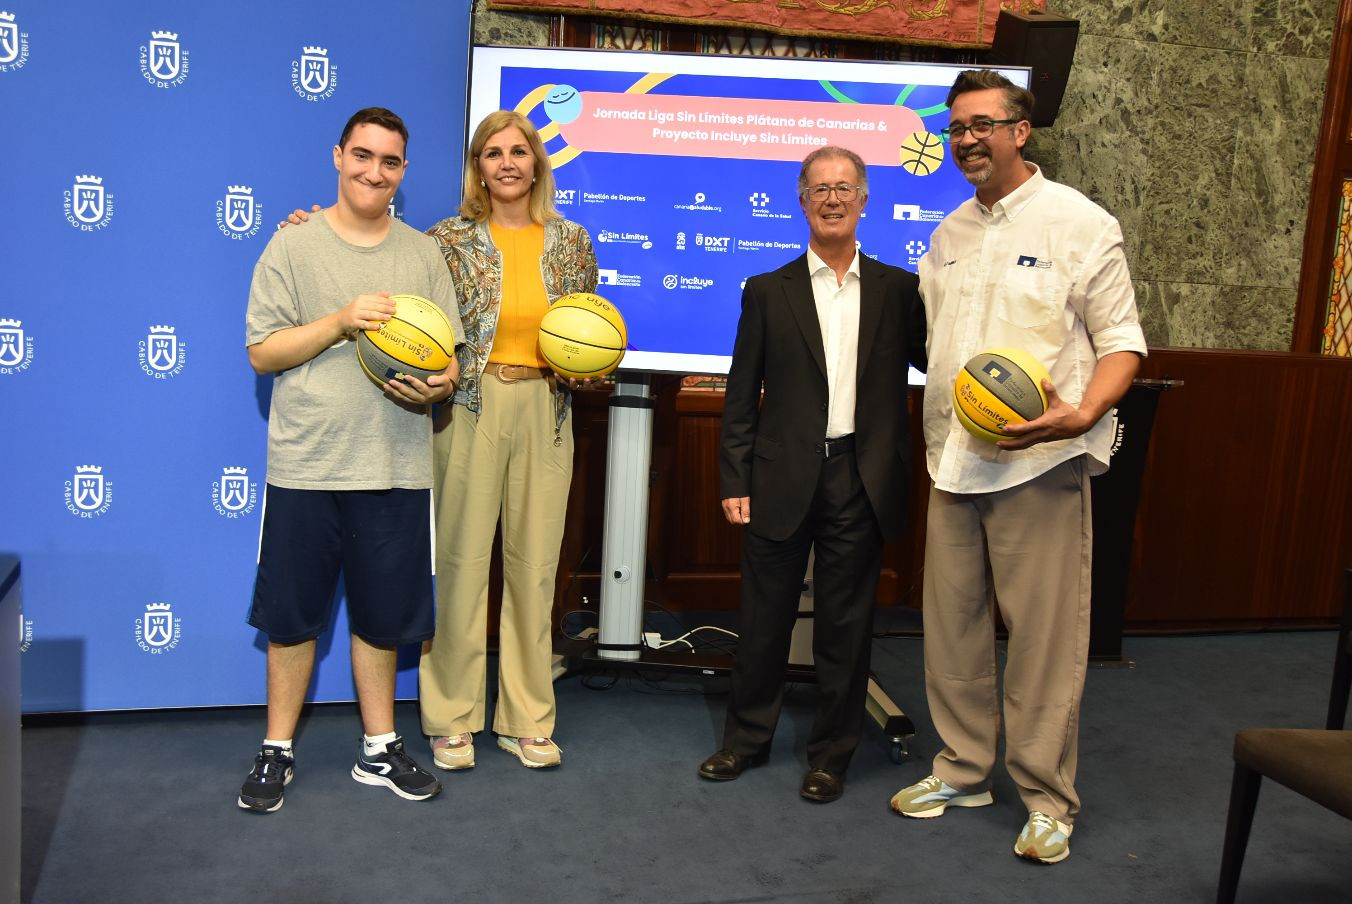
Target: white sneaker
pixel 454 752
pixel 929 796
pixel 534 753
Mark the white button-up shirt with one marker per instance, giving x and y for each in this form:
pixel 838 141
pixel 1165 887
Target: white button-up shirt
pixel 838 315
pixel 1042 270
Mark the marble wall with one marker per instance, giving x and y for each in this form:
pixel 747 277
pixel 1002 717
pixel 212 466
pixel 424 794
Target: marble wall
pixel 1195 123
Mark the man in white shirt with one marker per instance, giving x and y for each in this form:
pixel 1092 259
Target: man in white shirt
pixel 1029 264
pixel 815 433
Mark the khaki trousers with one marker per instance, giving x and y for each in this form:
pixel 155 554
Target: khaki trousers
pixel 1030 547
pixel 500 464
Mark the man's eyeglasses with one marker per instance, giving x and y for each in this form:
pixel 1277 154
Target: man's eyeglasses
pixel 979 128
pixel 846 193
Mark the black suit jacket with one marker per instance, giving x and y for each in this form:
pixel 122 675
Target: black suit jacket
pixel 771 447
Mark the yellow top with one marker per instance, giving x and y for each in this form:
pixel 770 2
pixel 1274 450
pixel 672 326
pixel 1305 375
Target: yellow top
pixel 517 337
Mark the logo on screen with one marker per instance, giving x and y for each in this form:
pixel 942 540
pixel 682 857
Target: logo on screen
pixel 16 348
pixel 916 213
pixel 680 241
pixel 13 43
pixel 759 199
pixel 161 353
pixel 89 206
pixel 88 493
pixel 238 215
pixel 565 196
pixel 698 283
pixel 699 204
pixel 164 62
pixel 717 243
pixel 915 249
pixel 314 77
pixel 234 494
pixel 158 629
pixel 25 633
pixel 609 277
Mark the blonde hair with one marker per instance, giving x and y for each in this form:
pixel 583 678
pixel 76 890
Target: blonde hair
pixel 475 202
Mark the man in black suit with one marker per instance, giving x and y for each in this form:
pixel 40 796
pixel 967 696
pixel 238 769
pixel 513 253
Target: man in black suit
pixel 825 455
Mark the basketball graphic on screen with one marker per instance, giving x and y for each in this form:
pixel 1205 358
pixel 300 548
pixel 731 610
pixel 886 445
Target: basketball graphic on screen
pixel 999 386
pixel 921 153
pixel 417 341
pixel 583 336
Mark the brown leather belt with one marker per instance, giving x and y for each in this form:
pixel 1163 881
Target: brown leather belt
pixel 512 373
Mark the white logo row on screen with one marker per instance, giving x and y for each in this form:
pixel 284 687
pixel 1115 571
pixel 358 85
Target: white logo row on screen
pixel 156 629
pixel 88 492
pixel 164 61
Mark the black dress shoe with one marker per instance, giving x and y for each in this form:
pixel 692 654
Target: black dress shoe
pixel 725 765
pixel 822 786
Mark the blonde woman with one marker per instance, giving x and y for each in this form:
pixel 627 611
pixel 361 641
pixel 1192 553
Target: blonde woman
pixel 503 450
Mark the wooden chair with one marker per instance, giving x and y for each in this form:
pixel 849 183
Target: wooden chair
pixel 1314 763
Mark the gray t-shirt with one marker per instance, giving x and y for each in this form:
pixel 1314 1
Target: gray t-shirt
pixel 330 427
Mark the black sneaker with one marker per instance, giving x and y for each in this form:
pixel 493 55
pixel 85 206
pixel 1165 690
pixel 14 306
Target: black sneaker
pixel 272 771
pixel 396 770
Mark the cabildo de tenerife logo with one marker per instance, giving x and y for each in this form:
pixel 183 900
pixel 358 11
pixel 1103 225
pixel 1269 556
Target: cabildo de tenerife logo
pixel 314 76
pixel 88 493
pixel 238 216
pixel 158 629
pixel 13 44
pixel 234 495
pixel 164 63
pixel 89 206
pixel 25 633
pixel 16 348
pixel 162 353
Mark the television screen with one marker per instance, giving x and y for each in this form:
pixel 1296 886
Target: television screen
pixel 684 170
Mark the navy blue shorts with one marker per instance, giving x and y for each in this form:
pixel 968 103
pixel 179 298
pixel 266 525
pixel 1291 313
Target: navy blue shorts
pixel 379 540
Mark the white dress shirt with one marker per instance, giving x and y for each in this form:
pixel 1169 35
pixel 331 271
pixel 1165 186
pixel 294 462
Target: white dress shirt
pixel 1042 270
pixel 838 315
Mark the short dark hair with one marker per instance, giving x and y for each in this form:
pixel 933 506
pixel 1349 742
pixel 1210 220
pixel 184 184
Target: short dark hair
pixel 833 151
pixel 1018 101
pixel 376 116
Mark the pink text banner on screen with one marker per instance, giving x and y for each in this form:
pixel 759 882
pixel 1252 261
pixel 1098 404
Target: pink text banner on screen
pixel 737 128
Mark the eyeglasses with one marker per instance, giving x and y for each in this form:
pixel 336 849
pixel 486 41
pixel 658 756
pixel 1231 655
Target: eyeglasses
pixel 980 128
pixel 819 193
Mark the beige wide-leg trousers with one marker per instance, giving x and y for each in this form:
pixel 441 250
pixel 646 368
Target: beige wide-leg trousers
pixel 501 464
pixel 1030 545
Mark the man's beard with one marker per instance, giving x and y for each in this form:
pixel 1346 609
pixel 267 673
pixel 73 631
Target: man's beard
pixel 980 176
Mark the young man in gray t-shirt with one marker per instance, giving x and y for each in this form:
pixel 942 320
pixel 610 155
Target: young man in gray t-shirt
pixel 349 463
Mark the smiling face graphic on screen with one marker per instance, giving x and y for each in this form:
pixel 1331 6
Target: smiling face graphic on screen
pixel 832 218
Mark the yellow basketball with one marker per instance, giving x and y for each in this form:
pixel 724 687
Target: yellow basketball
pixel 999 386
pixel 921 153
pixel 417 341
pixel 582 335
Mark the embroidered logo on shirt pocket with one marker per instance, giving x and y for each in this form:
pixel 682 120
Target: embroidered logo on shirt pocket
pixel 1032 293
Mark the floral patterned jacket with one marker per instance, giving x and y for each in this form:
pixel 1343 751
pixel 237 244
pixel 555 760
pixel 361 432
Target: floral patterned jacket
pixel 568 265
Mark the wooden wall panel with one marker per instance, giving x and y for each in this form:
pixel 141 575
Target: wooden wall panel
pixel 1244 517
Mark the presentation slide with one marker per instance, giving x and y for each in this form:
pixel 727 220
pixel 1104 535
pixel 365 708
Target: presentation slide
pixel 684 170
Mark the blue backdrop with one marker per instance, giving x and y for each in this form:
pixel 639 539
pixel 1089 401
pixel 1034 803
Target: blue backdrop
pixel 149 151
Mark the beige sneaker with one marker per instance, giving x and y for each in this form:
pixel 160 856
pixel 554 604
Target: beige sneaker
pixel 930 796
pixel 534 753
pixel 1044 839
pixel 454 752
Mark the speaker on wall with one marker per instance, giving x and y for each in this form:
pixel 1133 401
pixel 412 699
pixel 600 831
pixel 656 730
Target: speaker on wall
pixel 1045 42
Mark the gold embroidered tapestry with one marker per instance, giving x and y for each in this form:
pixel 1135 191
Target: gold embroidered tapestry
pixel 948 23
